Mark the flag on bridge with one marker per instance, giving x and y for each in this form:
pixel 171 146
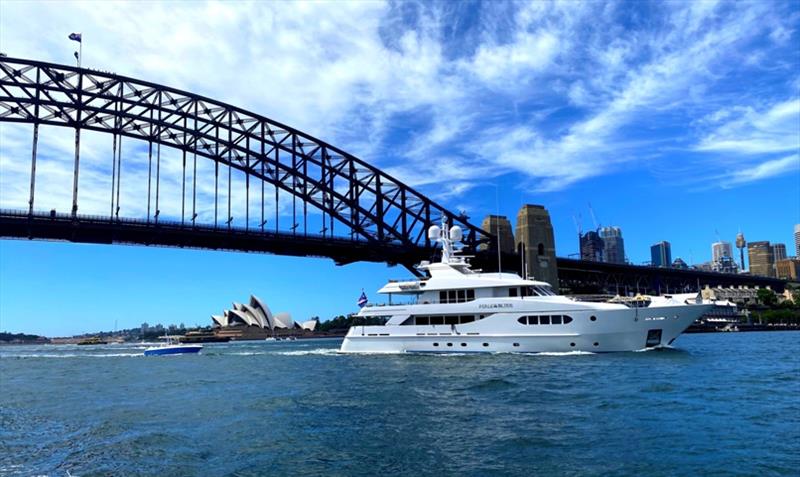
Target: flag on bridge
pixel 75 37
pixel 362 300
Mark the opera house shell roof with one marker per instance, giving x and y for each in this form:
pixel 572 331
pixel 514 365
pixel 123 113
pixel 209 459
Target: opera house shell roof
pixel 256 313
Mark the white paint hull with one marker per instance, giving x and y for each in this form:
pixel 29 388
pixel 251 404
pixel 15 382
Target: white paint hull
pixel 612 330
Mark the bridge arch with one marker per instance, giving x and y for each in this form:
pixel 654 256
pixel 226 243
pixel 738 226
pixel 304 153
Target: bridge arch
pixel 373 205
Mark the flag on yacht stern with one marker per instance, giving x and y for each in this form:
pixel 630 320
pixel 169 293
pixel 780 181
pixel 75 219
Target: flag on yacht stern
pixel 362 300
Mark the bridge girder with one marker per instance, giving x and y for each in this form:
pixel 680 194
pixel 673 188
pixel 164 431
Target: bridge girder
pixel 375 206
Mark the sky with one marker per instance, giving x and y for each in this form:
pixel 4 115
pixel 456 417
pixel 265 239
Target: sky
pixel 675 121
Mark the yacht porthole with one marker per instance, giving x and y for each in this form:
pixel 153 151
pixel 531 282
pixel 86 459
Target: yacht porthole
pixel 516 344
pixel 593 318
pixel 572 344
pixel 485 344
pixel 596 343
pixel 435 344
pixel 449 344
pixel 463 344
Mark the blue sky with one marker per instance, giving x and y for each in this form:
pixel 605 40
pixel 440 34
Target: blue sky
pixel 675 120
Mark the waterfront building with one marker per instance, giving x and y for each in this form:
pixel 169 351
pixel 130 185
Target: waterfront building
pixel 257 314
pixel 613 245
pixel 788 268
pixel 761 259
pixel 778 251
pixel 661 254
pixel 797 240
pixel 534 236
pixel 591 247
pixel 740 295
pixel 499 226
pixel 741 244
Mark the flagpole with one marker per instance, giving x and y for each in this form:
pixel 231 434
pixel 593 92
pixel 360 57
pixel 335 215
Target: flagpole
pixel 80 52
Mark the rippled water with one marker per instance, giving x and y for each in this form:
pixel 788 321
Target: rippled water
pixel 721 404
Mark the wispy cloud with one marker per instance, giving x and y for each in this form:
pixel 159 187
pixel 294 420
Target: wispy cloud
pixel 762 171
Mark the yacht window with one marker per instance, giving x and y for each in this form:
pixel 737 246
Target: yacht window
pixel 533 320
pixel 523 320
pixel 442 297
pixel 523 291
pixel 451 296
pixel 463 344
pixel 516 344
pixel 423 320
pixel 567 319
pixel 556 319
pixel 544 320
pixel 467 319
pixel 435 344
pixel 450 320
pixel 512 291
pixel 470 295
pixel 485 344
pixel 462 296
pixel 449 344
pixel 437 320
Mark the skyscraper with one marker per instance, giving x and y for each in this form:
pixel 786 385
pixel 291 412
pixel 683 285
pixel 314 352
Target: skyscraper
pixel 721 249
pixel 613 245
pixel 535 233
pixel 761 260
pixel 778 251
pixel 741 243
pixel 797 240
pixel 591 247
pixel 661 254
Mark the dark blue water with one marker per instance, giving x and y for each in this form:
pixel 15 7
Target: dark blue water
pixel 721 404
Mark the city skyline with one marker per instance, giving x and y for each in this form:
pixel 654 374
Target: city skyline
pixel 675 120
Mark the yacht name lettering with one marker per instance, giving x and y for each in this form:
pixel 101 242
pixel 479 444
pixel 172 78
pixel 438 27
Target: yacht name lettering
pixel 496 305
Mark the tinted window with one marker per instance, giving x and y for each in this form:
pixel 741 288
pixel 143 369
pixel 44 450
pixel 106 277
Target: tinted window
pixel 450 320
pixel 423 320
pixel 533 320
pixel 523 320
pixel 443 296
pixel 462 296
pixel 556 319
pixel 544 320
pixel 512 292
pixel 451 296
pixel 567 319
pixel 437 320
pixel 467 319
pixel 470 295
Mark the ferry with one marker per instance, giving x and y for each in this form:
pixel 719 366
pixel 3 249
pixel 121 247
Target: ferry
pixel 456 309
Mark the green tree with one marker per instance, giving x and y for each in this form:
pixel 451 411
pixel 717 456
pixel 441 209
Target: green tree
pixel 766 297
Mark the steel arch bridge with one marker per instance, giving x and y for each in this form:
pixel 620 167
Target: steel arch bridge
pixel 365 213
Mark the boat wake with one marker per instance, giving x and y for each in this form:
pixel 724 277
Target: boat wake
pixel 70 355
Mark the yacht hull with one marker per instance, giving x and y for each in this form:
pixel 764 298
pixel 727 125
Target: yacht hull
pixel 591 331
pixel 178 349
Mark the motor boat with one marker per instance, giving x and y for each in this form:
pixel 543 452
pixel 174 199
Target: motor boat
pixel 457 309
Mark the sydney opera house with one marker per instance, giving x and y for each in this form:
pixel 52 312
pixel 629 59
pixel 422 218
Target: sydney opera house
pixel 249 320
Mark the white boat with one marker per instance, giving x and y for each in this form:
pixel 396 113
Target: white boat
pixel 457 309
pixel 172 346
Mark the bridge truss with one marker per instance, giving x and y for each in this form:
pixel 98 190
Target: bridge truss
pixel 357 202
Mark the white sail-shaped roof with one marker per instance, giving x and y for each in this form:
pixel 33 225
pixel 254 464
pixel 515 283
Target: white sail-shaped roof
pixel 256 314
pixel 240 316
pixel 310 325
pixel 220 320
pixel 284 320
pixel 256 303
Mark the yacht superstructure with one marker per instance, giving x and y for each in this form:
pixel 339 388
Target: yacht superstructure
pixel 457 309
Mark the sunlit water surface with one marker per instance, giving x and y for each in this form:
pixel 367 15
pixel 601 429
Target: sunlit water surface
pixel 721 404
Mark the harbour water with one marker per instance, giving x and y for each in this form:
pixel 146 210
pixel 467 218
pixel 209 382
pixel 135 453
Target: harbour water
pixel 717 404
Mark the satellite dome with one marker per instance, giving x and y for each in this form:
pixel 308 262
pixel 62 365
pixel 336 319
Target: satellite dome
pixel 434 232
pixel 455 233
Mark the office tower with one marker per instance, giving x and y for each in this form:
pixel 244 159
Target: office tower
pixel 797 240
pixel 499 225
pixel 661 254
pixel 591 247
pixel 778 251
pixel 613 245
pixel 721 249
pixel 761 260
pixel 535 234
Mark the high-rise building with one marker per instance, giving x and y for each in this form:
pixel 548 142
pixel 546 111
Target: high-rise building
pixel 613 245
pixel 788 268
pixel 535 234
pixel 761 260
pixel 499 225
pixel 721 249
pixel 591 247
pixel 778 251
pixel 661 254
pixel 797 240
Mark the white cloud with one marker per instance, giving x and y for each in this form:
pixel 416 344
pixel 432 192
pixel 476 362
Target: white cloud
pixel 763 170
pixel 745 130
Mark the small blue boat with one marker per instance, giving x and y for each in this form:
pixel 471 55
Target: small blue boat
pixel 172 347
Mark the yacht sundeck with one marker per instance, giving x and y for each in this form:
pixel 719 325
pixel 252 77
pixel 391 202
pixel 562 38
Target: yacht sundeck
pixel 457 309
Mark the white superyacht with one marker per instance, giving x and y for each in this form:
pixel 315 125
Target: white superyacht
pixel 457 309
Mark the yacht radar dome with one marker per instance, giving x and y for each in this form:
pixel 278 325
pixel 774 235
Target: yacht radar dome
pixel 455 233
pixel 434 232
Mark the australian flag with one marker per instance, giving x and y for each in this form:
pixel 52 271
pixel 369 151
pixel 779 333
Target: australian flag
pixel 362 300
pixel 75 37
